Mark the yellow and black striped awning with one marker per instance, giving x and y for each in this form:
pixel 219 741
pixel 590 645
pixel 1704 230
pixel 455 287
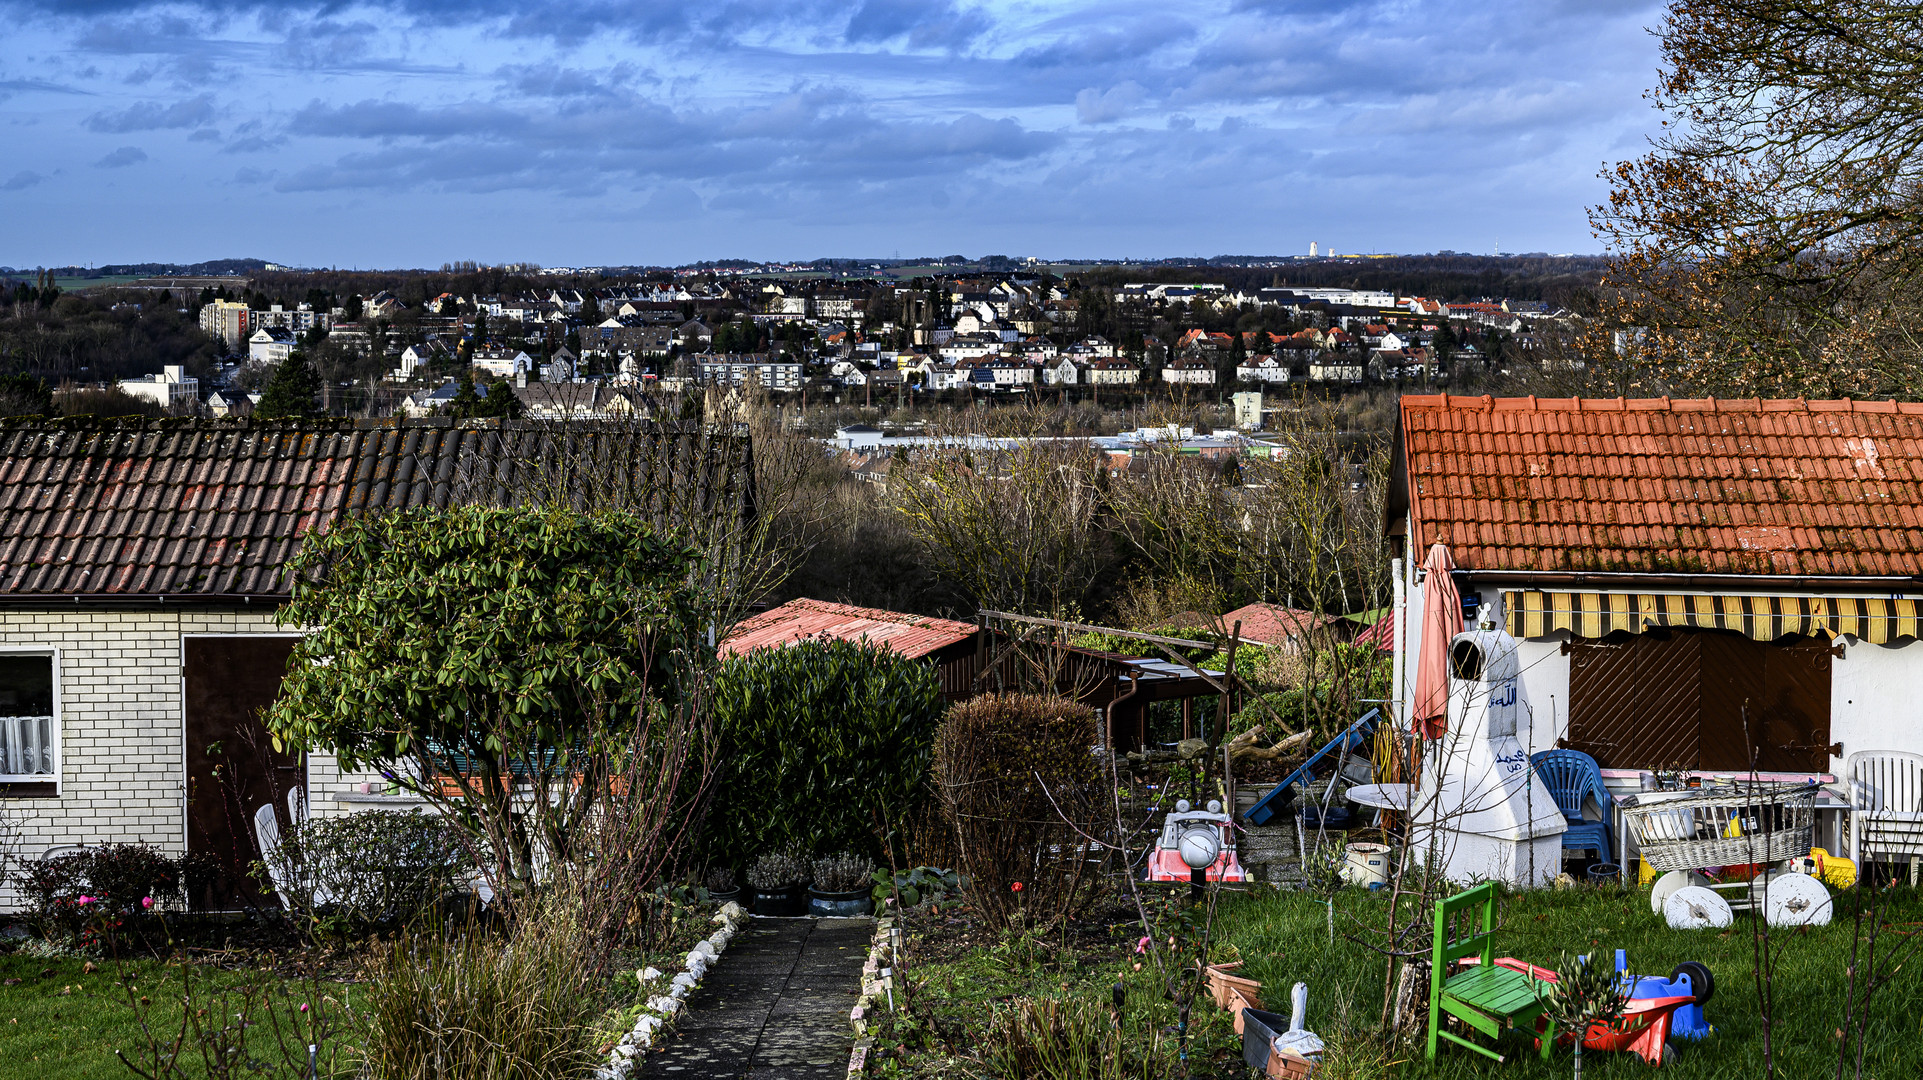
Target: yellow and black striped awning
pixel 1765 618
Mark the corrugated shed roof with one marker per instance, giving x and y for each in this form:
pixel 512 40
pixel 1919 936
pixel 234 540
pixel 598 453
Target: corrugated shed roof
pixel 212 509
pixel 912 636
pixel 1779 487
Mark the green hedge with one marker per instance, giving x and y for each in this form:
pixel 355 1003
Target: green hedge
pixel 819 740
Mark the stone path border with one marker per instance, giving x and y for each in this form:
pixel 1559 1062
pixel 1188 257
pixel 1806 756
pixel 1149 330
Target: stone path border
pixel 874 990
pixel 662 1007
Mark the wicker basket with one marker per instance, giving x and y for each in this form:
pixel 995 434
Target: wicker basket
pixel 1753 823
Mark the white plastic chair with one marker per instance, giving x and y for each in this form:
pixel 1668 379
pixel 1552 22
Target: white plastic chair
pixel 267 835
pixel 1886 792
pixel 297 805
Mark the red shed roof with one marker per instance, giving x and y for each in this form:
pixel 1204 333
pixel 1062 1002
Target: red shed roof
pixel 912 636
pixel 1776 487
pixel 1272 624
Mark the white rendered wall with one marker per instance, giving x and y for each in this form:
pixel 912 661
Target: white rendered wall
pixel 1876 698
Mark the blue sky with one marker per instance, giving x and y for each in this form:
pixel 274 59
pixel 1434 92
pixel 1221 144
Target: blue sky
pixel 588 132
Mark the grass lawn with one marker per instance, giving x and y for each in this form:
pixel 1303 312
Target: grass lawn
pixel 61 1021
pixel 1283 938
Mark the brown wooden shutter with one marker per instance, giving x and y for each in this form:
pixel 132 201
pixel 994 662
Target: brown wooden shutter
pixel 1636 700
pixel 1700 700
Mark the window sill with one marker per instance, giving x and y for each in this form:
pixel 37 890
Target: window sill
pixel 29 789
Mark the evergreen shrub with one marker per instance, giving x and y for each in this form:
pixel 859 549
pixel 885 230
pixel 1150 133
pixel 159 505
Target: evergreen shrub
pixel 824 745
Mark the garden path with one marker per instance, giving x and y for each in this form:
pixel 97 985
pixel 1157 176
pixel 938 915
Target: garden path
pixel 775 1006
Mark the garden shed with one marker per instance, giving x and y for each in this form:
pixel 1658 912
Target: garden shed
pixel 957 649
pixel 141 565
pixel 975 659
pixel 1696 584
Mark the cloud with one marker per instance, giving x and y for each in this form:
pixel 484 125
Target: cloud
pixel 254 144
pixel 153 116
pixel 923 25
pixel 1110 44
pixel 126 155
pixel 1094 106
pixel 767 122
pixel 10 87
pixel 22 180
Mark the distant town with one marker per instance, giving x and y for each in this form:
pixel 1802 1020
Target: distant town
pixel 598 343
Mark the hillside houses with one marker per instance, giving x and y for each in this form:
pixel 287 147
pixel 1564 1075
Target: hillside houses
pixel 986 334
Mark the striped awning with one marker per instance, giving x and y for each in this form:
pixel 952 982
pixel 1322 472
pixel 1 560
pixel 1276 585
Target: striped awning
pixel 1765 618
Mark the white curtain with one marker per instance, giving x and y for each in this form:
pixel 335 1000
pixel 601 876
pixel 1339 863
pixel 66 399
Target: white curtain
pixel 26 745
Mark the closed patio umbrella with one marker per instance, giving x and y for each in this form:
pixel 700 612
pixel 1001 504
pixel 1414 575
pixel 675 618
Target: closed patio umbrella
pixel 1441 621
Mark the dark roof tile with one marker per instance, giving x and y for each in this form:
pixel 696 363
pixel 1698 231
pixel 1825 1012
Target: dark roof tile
pixel 214 509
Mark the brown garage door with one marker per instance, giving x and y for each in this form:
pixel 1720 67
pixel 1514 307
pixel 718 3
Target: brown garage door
pixel 232 766
pixel 1700 699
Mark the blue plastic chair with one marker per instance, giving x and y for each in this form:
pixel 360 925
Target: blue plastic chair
pixel 1570 776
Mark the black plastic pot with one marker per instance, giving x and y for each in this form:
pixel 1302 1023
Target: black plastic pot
pixel 722 896
pixel 842 904
pixel 783 903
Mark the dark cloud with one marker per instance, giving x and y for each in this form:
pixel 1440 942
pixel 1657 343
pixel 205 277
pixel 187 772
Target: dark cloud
pixel 153 116
pixel 121 158
pixel 22 180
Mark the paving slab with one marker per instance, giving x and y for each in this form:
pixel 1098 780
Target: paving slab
pixel 774 1008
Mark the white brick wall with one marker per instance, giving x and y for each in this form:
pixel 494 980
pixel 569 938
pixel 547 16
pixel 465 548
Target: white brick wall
pixel 122 761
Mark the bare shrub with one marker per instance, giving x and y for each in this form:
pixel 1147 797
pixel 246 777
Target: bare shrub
pixel 1023 791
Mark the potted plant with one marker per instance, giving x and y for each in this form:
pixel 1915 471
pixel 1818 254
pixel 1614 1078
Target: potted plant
pixel 841 885
pixel 721 885
pixel 780 881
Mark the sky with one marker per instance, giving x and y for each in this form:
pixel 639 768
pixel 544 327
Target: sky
pixel 410 133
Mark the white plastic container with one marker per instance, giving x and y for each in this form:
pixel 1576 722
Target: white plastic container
pixel 1366 864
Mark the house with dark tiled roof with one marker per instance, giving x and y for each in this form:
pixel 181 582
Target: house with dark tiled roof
pixel 1704 584
pixel 141 565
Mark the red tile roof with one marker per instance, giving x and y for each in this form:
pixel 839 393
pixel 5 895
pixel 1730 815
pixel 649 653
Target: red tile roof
pixel 798 620
pixel 1785 487
pixel 1272 624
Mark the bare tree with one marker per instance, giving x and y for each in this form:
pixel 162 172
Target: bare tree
pixel 1771 241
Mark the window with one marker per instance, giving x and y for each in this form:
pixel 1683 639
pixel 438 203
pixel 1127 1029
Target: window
pixel 27 726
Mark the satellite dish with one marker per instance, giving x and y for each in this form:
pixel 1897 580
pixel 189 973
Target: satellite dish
pixel 1796 900
pixel 1200 845
pixel 1694 907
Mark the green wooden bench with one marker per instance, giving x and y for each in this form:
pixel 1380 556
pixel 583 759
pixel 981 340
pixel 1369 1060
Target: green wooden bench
pixel 1485 997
